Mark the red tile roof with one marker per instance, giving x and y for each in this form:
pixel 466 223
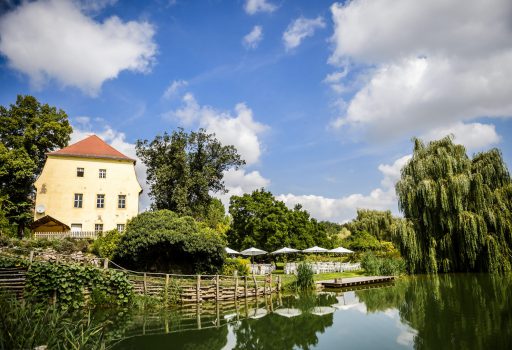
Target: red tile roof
pixel 91 147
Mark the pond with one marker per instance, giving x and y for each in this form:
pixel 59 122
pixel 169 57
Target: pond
pixel 465 311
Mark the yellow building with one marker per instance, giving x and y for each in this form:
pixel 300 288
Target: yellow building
pixel 87 186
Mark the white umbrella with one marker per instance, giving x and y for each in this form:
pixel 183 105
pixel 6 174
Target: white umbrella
pixel 341 250
pixel 231 251
pixel 253 251
pixel 285 250
pixel 288 312
pixel 315 249
pixel 322 310
pixel 257 313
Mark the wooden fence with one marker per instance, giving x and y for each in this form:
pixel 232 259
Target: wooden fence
pixel 66 234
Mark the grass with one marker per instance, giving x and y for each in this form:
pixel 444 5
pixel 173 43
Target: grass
pixel 288 280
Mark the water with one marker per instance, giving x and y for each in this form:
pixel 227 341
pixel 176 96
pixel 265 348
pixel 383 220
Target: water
pixel 424 312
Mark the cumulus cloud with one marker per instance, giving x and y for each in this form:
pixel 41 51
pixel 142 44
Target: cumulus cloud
pixel 344 209
pixel 83 127
pixel 239 182
pixel 427 65
pixel 474 136
pixel 253 39
pixel 252 7
pixel 173 89
pixel 239 130
pixel 300 29
pixel 54 39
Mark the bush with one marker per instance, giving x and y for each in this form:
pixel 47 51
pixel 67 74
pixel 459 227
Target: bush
pixel 236 264
pixel 164 242
pixel 304 279
pixel 382 266
pixel 105 245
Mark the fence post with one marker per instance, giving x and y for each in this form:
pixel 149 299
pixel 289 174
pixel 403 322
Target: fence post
pixel 145 284
pixel 105 264
pixel 255 284
pixel 265 285
pixel 198 289
pixel 245 287
pixel 31 257
pixel 278 283
pixel 236 284
pixel 217 287
pixel 271 280
pixel 166 290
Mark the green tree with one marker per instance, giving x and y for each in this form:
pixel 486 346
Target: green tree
pixel 458 211
pixel 258 219
pixel 184 169
pixel 377 223
pixel 28 130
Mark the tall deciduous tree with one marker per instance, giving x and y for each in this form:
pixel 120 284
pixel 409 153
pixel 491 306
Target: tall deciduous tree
pixel 184 169
pixel 458 211
pixel 28 130
pixel 377 223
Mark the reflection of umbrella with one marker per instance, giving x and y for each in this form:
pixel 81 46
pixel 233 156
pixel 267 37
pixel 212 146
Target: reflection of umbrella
pixel 288 312
pixel 231 251
pixel 341 250
pixel 315 249
pixel 285 250
pixel 322 310
pixel 257 313
pixel 229 317
pixel 253 251
pixel 341 306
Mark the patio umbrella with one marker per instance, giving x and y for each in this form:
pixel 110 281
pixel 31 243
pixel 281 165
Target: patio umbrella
pixel 231 251
pixel 288 312
pixel 285 250
pixel 322 310
pixel 257 313
pixel 253 252
pixel 315 249
pixel 341 250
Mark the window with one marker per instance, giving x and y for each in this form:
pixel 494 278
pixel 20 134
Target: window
pixel 98 228
pixel 80 172
pixel 103 173
pixel 78 200
pixel 76 227
pixel 121 201
pixel 120 227
pixel 100 201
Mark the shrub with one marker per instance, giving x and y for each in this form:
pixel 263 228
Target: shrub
pixel 382 266
pixel 105 245
pixel 236 264
pixel 162 241
pixel 304 280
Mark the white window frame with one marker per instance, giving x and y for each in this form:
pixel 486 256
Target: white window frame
pixel 98 228
pixel 102 173
pixel 121 199
pixel 79 199
pixel 100 201
pixel 122 226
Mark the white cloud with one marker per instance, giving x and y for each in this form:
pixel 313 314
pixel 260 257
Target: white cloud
pixel 239 130
pixel 300 29
pixel 173 89
pixel 429 65
pixel 344 209
pixel 54 39
pixel 253 39
pixel 94 5
pixel 474 136
pixel 239 182
pixel 254 6
pixel 83 128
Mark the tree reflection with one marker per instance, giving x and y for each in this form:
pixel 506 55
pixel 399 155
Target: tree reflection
pixel 451 311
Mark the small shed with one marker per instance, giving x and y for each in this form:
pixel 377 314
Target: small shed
pixel 49 224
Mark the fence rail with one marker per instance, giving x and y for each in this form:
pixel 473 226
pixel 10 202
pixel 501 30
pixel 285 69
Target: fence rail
pixel 66 234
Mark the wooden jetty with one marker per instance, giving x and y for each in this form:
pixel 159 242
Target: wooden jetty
pixel 355 281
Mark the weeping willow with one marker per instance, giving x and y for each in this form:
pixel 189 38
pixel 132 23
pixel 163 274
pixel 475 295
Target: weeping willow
pixel 457 210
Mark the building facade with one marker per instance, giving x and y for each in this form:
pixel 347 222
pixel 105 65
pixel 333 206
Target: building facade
pixel 87 186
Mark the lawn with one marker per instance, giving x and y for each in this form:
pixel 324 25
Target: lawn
pixel 288 279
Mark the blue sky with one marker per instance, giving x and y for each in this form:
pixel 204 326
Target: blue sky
pixel 320 97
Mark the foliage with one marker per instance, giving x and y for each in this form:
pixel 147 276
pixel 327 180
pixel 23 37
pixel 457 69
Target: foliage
pixel 377 223
pixel 26 325
pixel 68 282
pixel 236 264
pixel 64 246
pixel 304 279
pixel 162 241
pixel 28 130
pixel 363 241
pixel 184 169
pixel 105 245
pixel 458 211
pixel 258 219
pixel 386 266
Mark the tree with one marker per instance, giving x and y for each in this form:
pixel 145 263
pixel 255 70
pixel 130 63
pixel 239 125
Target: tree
pixel 184 169
pixel 458 211
pixel 28 130
pixel 377 223
pixel 258 219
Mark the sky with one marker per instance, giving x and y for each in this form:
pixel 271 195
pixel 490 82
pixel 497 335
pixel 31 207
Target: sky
pixel 320 98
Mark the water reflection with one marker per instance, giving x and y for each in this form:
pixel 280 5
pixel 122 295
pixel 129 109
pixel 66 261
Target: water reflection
pixel 448 312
